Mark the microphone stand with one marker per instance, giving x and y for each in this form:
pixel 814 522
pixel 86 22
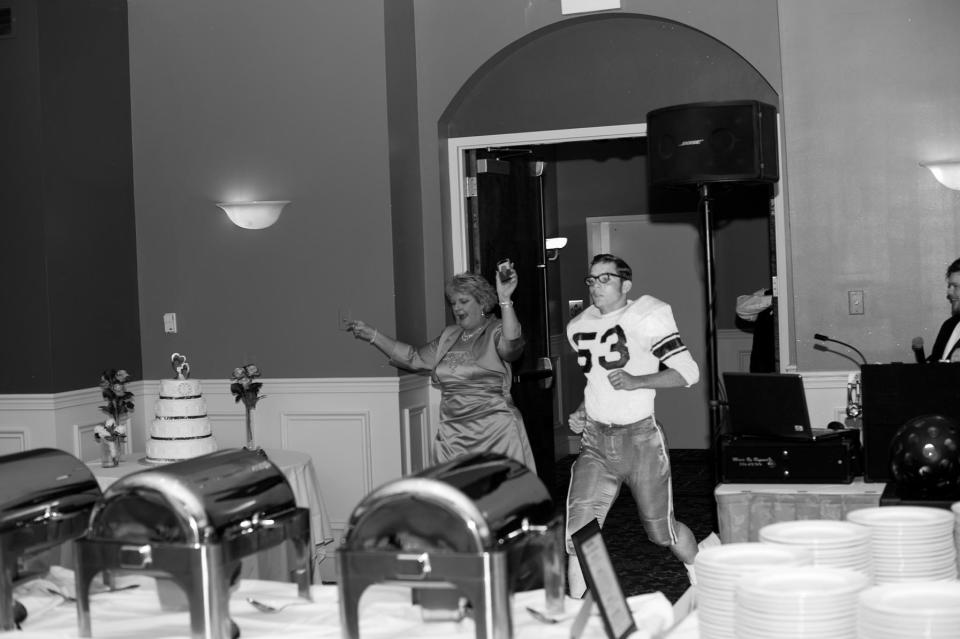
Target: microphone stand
pixel 712 364
pixel 823 338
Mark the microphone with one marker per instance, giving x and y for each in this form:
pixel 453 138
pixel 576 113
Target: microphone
pixel 823 338
pixel 917 346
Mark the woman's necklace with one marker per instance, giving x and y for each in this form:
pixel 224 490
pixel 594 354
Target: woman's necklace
pixel 465 336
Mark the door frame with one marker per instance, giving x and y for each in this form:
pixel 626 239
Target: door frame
pixel 456 175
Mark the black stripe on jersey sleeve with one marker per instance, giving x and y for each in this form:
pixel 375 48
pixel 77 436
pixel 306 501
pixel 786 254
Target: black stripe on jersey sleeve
pixel 668 347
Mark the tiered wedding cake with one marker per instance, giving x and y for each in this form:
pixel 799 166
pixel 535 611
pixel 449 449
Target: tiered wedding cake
pixel 181 429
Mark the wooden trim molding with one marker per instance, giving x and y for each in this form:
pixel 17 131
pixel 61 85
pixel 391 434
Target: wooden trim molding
pixel 13 441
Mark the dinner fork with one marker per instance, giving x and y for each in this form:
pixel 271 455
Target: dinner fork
pixel 540 616
pixel 54 591
pixel 265 607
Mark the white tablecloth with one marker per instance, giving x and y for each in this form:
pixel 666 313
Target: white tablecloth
pixel 688 628
pixel 385 613
pixel 298 469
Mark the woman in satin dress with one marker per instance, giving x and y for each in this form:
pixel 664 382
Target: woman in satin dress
pixel 470 361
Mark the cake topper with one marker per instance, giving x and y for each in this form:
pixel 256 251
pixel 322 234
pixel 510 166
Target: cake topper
pixel 180 365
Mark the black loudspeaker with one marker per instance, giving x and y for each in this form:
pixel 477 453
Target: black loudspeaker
pixel 711 142
pixel 892 395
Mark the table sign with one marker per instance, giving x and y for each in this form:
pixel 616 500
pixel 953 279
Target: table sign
pixel 603 584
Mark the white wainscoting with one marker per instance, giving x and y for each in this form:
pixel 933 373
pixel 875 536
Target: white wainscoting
pixel 733 352
pixel 826 393
pixel 360 432
pixel 26 421
pixel 352 428
pixel 419 403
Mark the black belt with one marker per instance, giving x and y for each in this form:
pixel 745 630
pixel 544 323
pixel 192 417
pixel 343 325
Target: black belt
pixel 606 425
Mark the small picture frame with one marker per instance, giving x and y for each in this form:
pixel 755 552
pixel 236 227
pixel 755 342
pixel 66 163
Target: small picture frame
pixel 602 581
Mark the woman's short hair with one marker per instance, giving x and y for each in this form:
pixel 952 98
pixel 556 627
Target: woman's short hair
pixel 474 285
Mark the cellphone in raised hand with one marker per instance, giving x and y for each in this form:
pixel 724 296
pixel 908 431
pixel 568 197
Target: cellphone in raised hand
pixel 504 270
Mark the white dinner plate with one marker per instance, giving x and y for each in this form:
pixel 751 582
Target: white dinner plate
pixel 900 516
pixel 745 555
pixel 816 532
pixel 913 599
pixel 803 581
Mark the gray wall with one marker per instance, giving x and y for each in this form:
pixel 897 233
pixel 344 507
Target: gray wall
pixel 404 165
pixel 294 100
pixel 68 248
pixel 297 107
pixel 456 38
pixel 870 90
pixel 256 99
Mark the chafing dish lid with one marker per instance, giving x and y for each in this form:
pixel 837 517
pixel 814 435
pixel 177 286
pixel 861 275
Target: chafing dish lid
pixel 43 481
pixel 193 501
pixel 470 504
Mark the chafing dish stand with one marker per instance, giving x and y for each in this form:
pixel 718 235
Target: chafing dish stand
pixel 470 527
pixel 194 521
pixel 46 497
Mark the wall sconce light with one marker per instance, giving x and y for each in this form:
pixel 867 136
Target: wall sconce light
pixel 947 173
pixel 554 244
pixel 254 215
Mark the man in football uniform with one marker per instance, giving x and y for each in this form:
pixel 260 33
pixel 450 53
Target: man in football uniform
pixel 626 349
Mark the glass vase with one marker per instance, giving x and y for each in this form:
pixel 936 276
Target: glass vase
pixel 109 453
pixel 251 444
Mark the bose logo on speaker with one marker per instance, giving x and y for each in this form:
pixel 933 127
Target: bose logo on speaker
pixel 691 142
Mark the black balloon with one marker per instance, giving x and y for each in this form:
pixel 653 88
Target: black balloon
pixel 925 456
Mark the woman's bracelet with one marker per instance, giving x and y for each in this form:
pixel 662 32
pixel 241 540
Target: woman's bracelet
pixel 505 304
pixel 374 336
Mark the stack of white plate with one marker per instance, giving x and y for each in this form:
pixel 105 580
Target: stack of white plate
pixel 808 602
pixel 915 610
pixel 910 543
pixel 838 544
pixel 718 570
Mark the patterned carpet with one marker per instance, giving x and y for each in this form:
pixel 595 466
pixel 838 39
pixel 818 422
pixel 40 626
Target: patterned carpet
pixel 642 566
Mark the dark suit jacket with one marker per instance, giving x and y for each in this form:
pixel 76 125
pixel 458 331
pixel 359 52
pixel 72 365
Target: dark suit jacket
pixel 946 329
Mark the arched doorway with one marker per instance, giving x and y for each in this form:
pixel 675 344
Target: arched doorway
pixel 589 79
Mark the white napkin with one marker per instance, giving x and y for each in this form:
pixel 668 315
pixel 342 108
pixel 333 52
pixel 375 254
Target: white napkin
pixel 37 596
pixel 55 587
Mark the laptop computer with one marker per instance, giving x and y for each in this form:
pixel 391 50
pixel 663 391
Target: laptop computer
pixel 771 405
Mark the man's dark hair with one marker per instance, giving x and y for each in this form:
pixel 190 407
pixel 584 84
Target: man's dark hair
pixel 954 267
pixel 623 269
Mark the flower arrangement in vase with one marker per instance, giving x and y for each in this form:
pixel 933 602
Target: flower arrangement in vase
pixel 245 389
pixel 113 432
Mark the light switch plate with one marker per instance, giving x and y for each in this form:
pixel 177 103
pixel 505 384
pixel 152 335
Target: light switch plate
pixel 855 300
pixel 169 322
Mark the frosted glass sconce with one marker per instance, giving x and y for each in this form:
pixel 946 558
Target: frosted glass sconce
pixel 254 215
pixel 553 245
pixel 947 173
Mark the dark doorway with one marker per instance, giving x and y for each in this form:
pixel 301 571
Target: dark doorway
pixel 506 221
pixel 583 179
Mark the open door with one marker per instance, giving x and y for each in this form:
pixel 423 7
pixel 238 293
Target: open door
pixel 505 220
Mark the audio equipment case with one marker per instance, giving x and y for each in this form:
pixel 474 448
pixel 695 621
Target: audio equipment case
pixel 894 495
pixel 835 460
pixel 892 395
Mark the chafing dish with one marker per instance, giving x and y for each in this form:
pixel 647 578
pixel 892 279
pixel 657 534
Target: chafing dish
pixel 192 522
pixel 476 527
pixel 46 497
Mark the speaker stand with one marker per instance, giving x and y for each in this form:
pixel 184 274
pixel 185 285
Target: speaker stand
pixel 713 374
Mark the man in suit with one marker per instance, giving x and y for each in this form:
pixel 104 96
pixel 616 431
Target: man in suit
pixel 945 348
